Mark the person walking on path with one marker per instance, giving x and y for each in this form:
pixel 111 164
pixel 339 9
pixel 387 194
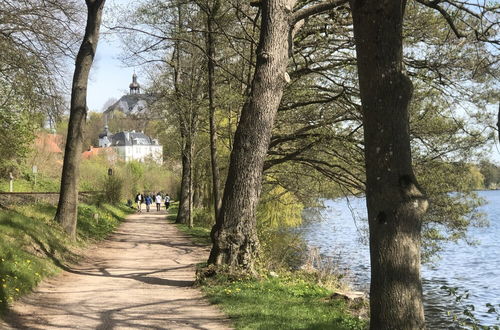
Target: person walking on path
pixel 148 200
pixel 167 202
pixel 158 202
pixel 138 200
pixel 137 279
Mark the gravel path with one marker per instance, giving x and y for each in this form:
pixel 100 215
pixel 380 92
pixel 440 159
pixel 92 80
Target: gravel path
pixel 139 278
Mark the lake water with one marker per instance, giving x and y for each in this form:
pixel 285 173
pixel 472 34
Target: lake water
pixel 338 232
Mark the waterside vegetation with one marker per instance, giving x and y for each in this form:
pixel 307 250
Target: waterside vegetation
pixel 281 299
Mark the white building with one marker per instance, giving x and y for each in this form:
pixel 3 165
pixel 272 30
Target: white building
pixel 132 146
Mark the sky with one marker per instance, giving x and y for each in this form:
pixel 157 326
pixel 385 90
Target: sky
pixel 109 78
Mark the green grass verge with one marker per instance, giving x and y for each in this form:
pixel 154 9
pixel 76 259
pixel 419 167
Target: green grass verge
pixel 291 301
pixel 33 246
pixel 285 302
pixel 24 185
pixel 199 235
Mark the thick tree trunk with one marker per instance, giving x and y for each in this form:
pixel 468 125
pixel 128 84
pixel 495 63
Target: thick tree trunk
pixel 211 107
pixel 67 207
pixel 234 235
pixel 395 202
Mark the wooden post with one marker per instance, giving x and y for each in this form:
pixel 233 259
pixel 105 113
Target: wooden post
pixel 11 182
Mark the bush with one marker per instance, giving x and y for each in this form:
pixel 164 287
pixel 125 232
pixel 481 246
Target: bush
pixel 112 190
pixel 204 217
pixel 281 249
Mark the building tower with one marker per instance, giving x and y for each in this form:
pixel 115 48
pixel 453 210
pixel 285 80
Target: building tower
pixel 135 88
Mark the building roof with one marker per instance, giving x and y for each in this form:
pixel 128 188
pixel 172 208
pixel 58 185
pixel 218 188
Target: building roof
pixel 134 86
pixel 131 104
pixel 130 139
pixel 49 142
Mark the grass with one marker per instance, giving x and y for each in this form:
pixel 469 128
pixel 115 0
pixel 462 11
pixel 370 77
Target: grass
pixel 285 302
pixel 33 246
pixel 291 301
pixel 199 235
pixel 24 185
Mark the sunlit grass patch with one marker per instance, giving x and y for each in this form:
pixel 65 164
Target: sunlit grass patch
pixel 280 303
pixel 199 235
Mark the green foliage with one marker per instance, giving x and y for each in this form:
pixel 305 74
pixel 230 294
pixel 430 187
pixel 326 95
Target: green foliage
pixel 204 217
pixel 199 235
pixel 96 223
pixel 127 180
pixel 93 173
pixel 278 210
pixel 281 249
pixel 17 129
pixel 26 183
pixel 289 302
pixel 453 206
pixel 491 174
pixel 113 186
pixel 316 150
pixel 33 246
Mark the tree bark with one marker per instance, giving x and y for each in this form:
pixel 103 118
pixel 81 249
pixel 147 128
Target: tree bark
pixel 184 210
pixel 190 176
pixel 234 235
pixel 394 200
pixel 498 122
pixel 211 108
pixel 67 207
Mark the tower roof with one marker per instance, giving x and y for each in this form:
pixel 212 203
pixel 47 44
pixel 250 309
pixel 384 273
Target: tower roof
pixel 134 85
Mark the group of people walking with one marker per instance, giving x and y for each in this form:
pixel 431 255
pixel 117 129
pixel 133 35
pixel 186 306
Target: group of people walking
pixel 149 199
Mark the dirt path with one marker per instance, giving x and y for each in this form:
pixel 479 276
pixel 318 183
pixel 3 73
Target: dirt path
pixel 140 278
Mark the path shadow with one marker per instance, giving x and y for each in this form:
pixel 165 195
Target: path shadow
pixel 163 314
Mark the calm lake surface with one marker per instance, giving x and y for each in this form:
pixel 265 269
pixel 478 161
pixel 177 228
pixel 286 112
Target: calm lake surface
pixel 338 231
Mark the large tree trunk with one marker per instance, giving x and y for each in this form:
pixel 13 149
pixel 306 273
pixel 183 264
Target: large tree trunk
pixel 395 202
pixel 67 207
pixel 234 235
pixel 211 107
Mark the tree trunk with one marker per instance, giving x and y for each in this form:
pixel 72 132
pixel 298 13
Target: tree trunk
pixel 190 177
pixel 211 108
pixel 183 213
pixel 67 207
pixel 498 122
pixel 394 200
pixel 234 235
pixel 184 210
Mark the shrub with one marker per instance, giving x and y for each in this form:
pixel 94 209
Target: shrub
pixel 204 217
pixel 112 190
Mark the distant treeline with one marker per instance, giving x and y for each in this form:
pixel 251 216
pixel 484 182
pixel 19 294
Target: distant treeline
pixel 491 175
